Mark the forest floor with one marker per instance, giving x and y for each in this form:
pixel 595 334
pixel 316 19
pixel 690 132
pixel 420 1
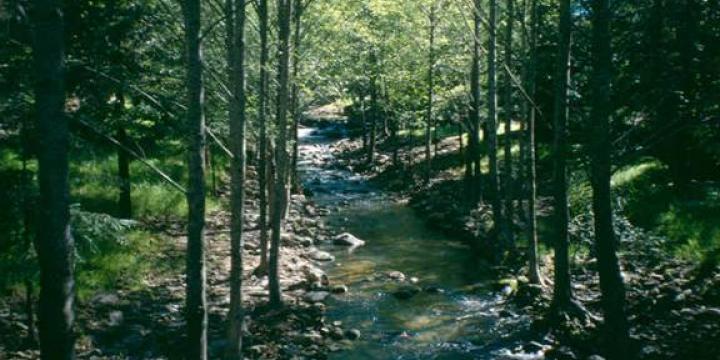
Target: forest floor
pixel 148 323
pixel 673 304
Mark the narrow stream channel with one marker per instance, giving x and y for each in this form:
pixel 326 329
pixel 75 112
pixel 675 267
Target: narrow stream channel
pixel 455 315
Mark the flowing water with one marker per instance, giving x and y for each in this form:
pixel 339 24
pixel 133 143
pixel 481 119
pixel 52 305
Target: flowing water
pixel 455 315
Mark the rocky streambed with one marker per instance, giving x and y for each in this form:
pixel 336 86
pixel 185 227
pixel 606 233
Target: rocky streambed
pixel 408 290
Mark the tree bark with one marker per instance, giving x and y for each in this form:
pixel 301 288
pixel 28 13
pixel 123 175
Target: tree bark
pixel 508 114
pixel 235 23
pixel 562 293
pixel 492 133
pixel 31 340
pixel 281 156
pixel 611 282
pixel 429 104
pixel 196 302
pixel 533 268
pixel 473 152
pixel 263 182
pixel 54 242
pixel 295 102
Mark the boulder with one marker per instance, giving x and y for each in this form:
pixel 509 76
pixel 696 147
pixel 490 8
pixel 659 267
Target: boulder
pixel 316 296
pixel 396 275
pixel 339 289
pixel 319 255
pixel 347 239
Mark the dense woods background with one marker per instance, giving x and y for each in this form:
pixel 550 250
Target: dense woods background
pixel 522 118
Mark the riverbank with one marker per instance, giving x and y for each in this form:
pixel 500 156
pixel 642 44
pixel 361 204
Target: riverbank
pixel 673 304
pixel 148 322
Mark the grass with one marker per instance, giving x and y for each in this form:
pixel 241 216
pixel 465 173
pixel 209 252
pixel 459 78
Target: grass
pixel 126 265
pixel 116 257
pixel 646 198
pixel 94 185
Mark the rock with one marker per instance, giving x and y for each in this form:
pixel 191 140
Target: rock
pixel 108 299
pixel 336 333
pixel 316 296
pixel 347 239
pixel 315 276
pixel 560 353
pixel 339 289
pixel 115 318
pixel 406 292
pixel 396 275
pixel 595 357
pixel 319 255
pixel 533 347
pixel 304 241
pixel 287 238
pixel 352 334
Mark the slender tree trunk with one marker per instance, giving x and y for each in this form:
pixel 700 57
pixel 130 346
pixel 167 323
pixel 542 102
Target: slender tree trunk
pixel 611 282
pixel 492 132
pixel 54 242
pixel 374 109
pixel 364 123
pixel 125 202
pixel 263 146
pixel 32 339
pixel 196 302
pixel 429 106
pixel 281 156
pixel 473 155
pixel 508 113
pixel 562 295
pixel 295 103
pixel 533 268
pixel 235 22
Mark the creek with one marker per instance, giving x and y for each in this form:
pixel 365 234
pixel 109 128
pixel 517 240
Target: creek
pixel 448 305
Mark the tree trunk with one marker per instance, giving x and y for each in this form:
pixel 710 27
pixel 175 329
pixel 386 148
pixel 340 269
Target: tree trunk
pixel 235 23
pixel 295 103
pixel 263 146
pixel 31 340
pixel 611 282
pixel 374 109
pixel 533 268
pixel 473 152
pixel 196 302
pixel 125 202
pixel 562 294
pixel 492 133
pixel 429 105
pixel 508 113
pixel 54 242
pixel 281 156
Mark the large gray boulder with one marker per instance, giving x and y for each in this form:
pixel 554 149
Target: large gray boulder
pixel 348 239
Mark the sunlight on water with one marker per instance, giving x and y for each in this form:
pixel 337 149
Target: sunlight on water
pixel 450 312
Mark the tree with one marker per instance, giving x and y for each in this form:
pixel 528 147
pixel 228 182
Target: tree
pixel 533 268
pixel 235 24
pixel 492 130
pixel 54 242
pixel 611 282
pixel 196 302
pixel 473 173
pixel 432 23
pixel 562 293
pixel 262 10
pixel 508 114
pixel 281 157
